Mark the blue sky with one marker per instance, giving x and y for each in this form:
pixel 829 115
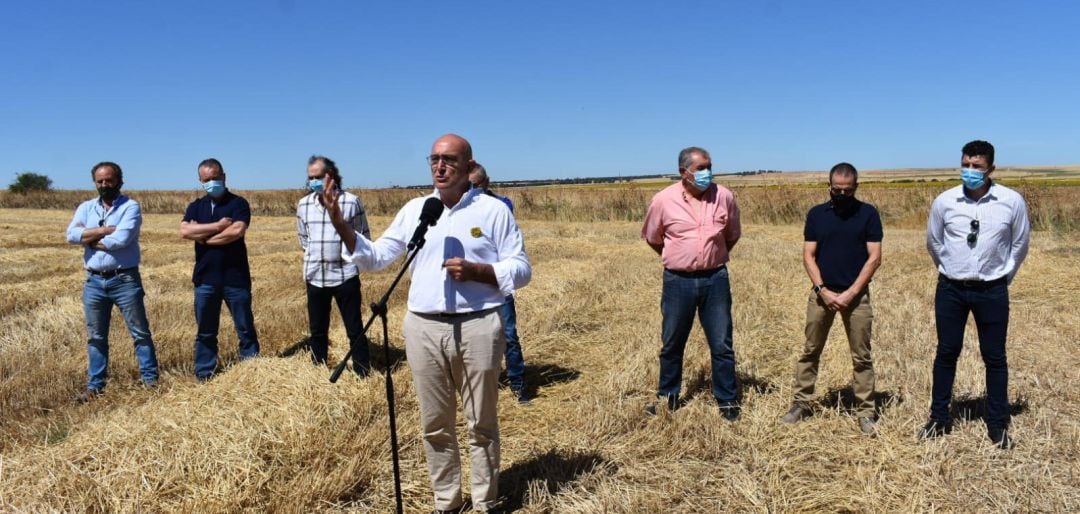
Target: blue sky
pixel 543 89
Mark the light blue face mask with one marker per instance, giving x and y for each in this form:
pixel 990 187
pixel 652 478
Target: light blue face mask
pixel 315 185
pixel 214 188
pixel 972 178
pixel 702 179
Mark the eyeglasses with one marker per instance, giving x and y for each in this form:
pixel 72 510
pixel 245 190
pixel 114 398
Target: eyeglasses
pixel 973 236
pixel 450 160
pixel 842 191
pixel 101 222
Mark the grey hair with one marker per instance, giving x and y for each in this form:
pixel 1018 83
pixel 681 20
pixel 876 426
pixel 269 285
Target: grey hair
pixel 686 156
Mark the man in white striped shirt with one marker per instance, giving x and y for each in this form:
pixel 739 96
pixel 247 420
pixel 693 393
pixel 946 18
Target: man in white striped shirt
pixel 328 275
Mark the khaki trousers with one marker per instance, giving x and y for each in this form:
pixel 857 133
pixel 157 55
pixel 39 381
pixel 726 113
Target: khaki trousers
pixel 458 355
pixel 858 320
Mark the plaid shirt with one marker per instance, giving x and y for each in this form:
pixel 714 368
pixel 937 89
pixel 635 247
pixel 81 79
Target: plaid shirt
pixel 323 265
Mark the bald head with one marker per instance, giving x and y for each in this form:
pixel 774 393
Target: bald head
pixel 455 142
pixel 451 162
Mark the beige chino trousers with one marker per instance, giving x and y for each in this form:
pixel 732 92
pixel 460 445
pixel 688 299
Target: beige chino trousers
pixel 858 321
pixel 452 356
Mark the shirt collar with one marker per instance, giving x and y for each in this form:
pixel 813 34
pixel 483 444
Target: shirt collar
pixel 990 193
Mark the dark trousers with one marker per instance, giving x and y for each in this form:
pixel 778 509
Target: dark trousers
pixel 709 295
pixel 990 305
pixel 349 301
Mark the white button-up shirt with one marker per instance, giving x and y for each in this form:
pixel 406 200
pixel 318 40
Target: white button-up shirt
pixel 479 229
pixel 1002 240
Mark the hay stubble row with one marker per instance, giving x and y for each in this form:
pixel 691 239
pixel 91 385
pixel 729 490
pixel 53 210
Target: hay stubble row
pixel 273 434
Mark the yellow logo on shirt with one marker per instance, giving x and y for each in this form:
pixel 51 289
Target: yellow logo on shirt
pixel 476 232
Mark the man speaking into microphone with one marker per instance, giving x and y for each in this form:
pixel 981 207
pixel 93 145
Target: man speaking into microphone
pixel 474 258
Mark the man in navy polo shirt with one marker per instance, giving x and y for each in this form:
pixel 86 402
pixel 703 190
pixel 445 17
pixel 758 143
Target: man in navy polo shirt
pixel 842 250
pixel 217 223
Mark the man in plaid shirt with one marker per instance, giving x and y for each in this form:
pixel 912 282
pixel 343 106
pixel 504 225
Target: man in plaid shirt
pixel 328 276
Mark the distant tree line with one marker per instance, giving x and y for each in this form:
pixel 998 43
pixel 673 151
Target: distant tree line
pixel 589 180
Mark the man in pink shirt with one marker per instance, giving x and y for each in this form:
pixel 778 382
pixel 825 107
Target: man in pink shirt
pixel 693 225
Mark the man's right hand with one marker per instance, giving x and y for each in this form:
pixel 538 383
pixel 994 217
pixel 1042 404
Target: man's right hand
pixel 330 197
pixel 224 223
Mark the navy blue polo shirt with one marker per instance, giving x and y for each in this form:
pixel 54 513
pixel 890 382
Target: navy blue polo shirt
pixel 224 265
pixel 841 240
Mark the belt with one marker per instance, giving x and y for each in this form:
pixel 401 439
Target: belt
pixel 447 316
pixel 975 284
pixel 695 274
pixel 111 273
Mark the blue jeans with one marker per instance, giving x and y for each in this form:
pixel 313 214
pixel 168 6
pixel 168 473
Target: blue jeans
pixel 208 300
pixel 708 293
pixel 126 292
pixel 515 361
pixel 990 305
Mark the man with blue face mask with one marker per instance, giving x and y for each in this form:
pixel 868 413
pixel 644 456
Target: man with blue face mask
pixel 977 235
pixel 217 224
pixel 329 276
pixel 693 225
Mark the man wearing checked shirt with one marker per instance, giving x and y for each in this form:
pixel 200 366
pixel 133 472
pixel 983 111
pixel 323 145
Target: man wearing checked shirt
pixel 108 230
pixel 474 258
pixel 693 225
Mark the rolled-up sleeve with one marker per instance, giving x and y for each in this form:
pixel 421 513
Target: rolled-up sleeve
pixel 513 271
pixel 77 226
pixel 127 230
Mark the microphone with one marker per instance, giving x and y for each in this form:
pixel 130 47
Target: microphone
pixel 433 208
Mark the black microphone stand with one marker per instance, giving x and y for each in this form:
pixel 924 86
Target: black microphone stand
pixel 379 309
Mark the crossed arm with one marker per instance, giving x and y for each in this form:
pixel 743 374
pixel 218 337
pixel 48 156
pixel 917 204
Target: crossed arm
pixel 221 232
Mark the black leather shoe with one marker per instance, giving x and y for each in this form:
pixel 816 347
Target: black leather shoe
pixel 654 408
pixel 730 412
pixel 88 395
pixel 1000 438
pixel 934 429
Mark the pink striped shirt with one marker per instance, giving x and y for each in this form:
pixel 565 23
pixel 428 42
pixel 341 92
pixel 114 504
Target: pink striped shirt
pixel 695 235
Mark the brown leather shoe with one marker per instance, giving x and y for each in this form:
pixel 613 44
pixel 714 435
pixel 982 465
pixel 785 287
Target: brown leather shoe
pixel 797 413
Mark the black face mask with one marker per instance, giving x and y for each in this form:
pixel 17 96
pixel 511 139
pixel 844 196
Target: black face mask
pixel 108 194
pixel 842 202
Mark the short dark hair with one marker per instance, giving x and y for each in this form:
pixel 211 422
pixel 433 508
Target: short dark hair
pixel 980 147
pixel 845 170
pixel 684 155
pixel 211 163
pixel 329 166
pixel 113 165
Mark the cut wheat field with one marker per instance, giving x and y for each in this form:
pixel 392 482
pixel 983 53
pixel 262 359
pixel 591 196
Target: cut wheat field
pixel 272 434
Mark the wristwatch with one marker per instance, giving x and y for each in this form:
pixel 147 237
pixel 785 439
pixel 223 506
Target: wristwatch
pixel 817 289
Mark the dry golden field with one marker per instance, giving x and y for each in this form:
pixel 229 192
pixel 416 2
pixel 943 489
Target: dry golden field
pixel 273 434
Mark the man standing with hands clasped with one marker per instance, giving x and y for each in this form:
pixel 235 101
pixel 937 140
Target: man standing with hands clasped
pixel 977 235
pixel 474 258
pixel 842 250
